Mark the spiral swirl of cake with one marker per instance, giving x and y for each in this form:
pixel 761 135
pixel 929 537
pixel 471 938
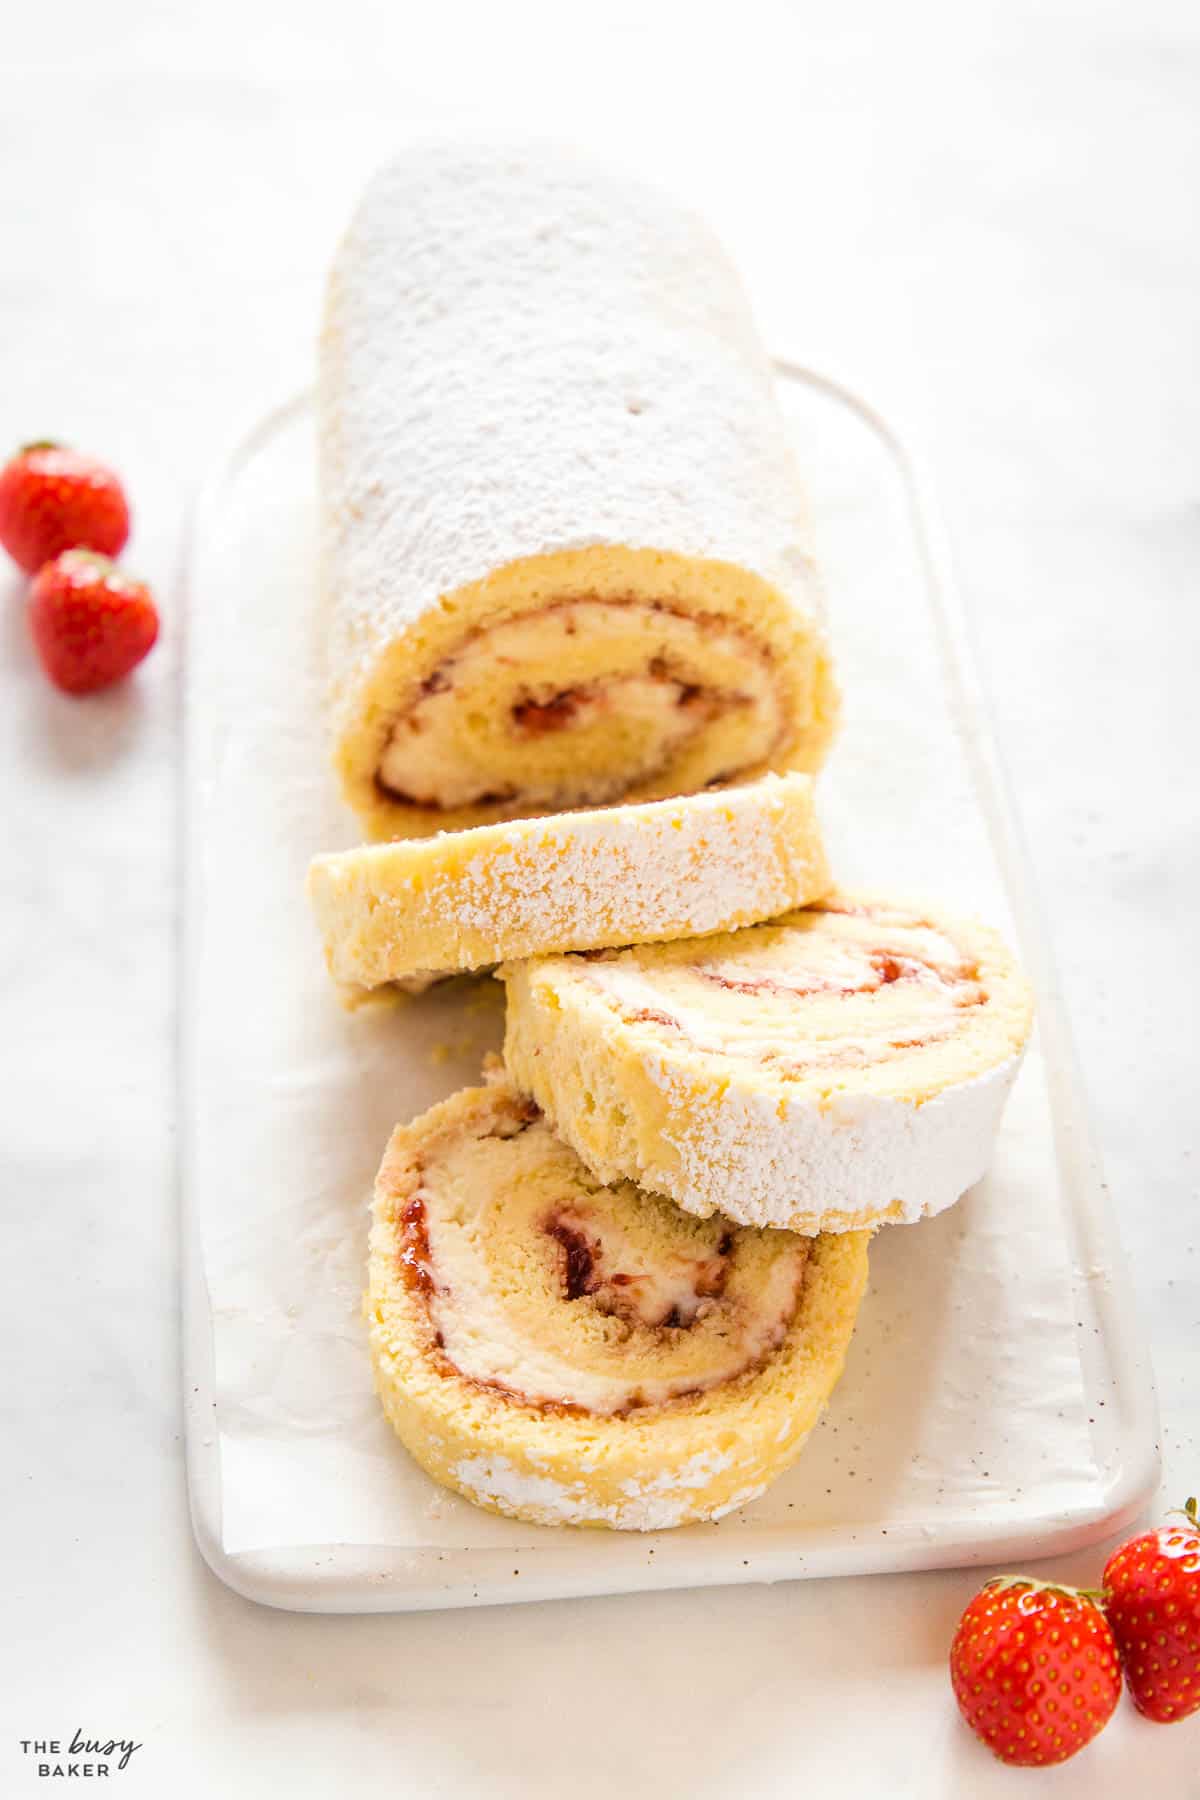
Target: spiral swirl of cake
pixel 566 552
pixel 575 881
pixel 572 1353
pixel 841 1067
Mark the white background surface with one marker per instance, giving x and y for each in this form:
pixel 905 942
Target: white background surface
pixel 986 216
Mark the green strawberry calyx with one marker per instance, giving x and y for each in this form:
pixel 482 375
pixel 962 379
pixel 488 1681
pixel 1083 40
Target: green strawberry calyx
pixel 95 559
pixel 94 566
pixel 1008 1583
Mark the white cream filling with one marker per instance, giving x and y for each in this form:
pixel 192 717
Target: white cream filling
pixel 800 997
pixel 419 761
pixel 576 704
pixel 486 1340
pixel 622 1280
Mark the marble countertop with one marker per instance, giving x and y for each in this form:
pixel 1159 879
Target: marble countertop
pixel 981 215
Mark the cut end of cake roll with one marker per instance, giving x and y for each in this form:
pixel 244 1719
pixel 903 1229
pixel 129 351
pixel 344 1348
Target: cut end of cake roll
pixel 575 1354
pixel 837 1069
pixel 389 913
pixel 567 555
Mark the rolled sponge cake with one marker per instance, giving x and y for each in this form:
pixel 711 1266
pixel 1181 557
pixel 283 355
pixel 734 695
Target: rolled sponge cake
pixel 836 1069
pixel 566 554
pixel 575 1354
pixel 573 881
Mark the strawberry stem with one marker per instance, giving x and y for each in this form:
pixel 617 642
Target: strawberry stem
pixel 40 444
pixel 1189 1511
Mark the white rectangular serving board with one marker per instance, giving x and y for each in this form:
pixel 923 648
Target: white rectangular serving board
pixel 997 1402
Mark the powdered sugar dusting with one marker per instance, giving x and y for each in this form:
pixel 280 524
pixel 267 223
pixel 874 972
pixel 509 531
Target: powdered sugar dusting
pixel 671 868
pixel 836 1166
pixel 577 881
pixel 699 1468
pixel 658 1504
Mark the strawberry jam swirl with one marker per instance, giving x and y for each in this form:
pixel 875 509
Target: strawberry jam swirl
pixel 835 987
pixel 660 1300
pixel 582 702
pixel 593 1301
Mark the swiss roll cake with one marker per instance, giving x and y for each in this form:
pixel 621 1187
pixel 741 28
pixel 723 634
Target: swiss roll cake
pixel 835 1069
pixel 574 881
pixel 569 1352
pixel 566 551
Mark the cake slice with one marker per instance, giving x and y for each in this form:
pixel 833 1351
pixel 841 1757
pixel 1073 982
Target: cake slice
pixel 401 912
pixel 838 1068
pixel 577 1354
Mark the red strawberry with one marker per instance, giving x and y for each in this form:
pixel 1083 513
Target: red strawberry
pixel 91 624
pixel 53 499
pixel 1153 1605
pixel 1034 1669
